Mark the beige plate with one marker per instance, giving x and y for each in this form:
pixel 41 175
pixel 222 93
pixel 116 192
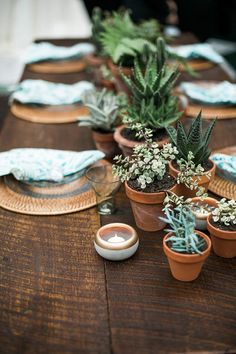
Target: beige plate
pixel 220 186
pixel 58 67
pixel 48 114
pixel 45 198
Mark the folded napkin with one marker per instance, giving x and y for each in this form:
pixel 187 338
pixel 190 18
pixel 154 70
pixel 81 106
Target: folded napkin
pixel 197 51
pixel 49 93
pixel 223 93
pixel 226 166
pixel 46 51
pixel 45 164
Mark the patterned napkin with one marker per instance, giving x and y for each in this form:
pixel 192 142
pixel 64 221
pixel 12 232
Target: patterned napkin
pixel 49 93
pixel 45 164
pixel 197 51
pixel 46 51
pixel 223 93
pixel 226 166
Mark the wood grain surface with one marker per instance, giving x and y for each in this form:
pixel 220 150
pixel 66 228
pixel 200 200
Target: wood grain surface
pixel 58 296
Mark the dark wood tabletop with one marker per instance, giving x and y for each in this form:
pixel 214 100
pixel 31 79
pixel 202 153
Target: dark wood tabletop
pixel 58 296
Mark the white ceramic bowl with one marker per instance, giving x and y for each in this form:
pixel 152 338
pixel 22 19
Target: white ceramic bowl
pixel 116 255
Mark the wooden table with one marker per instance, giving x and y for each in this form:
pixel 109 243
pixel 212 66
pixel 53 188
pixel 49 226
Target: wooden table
pixel 58 296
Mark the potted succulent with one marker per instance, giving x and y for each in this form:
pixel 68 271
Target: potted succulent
pixel 185 247
pixel 222 227
pixel 201 207
pixel 123 40
pixel 105 108
pixel 193 169
pixel 146 180
pixel 153 106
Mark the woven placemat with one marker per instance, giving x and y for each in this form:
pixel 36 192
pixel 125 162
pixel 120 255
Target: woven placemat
pixel 222 187
pixel 73 194
pixel 58 67
pixel 48 114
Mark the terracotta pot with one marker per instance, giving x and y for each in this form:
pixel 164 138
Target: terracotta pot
pixel 105 142
pixel 119 82
pixel 127 145
pixel 94 60
pixel 182 190
pixel 201 219
pixel 147 208
pixel 224 242
pixel 186 267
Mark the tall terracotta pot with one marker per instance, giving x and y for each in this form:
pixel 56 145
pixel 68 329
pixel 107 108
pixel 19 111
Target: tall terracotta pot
pixel 147 208
pixel 223 241
pixel 182 190
pixel 119 82
pixel 127 145
pixel 105 142
pixel 186 267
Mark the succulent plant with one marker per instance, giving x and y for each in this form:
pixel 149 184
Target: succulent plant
pixel 97 29
pixel 195 140
pixel 225 213
pixel 182 225
pixel 146 164
pixel 105 108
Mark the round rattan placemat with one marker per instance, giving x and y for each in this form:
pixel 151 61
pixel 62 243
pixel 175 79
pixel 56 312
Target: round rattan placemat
pixel 73 194
pixel 58 67
pixel 222 187
pixel 48 114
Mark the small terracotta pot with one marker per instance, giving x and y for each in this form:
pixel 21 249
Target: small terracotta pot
pixel 105 142
pixel 127 145
pixel 201 219
pixel 119 82
pixel 147 208
pixel 182 190
pixel 186 267
pixel 94 60
pixel 224 242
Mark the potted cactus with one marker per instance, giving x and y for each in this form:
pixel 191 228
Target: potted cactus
pixel 222 227
pixel 146 178
pixel 123 40
pixel 152 106
pixel 193 169
pixel 185 247
pixel 105 108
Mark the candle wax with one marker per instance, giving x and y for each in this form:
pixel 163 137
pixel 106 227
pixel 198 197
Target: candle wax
pixel 116 239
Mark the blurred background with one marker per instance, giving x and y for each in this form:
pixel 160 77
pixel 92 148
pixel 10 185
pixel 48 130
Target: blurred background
pixel 22 21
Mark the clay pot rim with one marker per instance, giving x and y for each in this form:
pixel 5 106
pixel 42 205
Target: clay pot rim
pixel 131 143
pixel 223 234
pixel 202 177
pixel 116 68
pixel 102 137
pixel 187 258
pixel 208 200
pixel 95 60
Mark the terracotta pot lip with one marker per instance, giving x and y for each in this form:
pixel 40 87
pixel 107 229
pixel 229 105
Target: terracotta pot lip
pixel 209 201
pixel 177 171
pixel 138 193
pixel 219 232
pixel 114 67
pixel 131 143
pixel 101 133
pixel 188 257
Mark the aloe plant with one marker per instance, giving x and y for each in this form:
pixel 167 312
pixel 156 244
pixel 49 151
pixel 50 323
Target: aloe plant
pixel 194 140
pixel 104 108
pixel 182 224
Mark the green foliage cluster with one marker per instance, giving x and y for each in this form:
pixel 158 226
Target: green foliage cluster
pixel 182 224
pixel 195 140
pixel 105 110
pixel 225 213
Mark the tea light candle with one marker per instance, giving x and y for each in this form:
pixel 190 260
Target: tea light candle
pixel 116 241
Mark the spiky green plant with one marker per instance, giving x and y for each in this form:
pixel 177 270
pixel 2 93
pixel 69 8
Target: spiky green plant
pixel 105 108
pixel 182 224
pixel 97 29
pixel 194 140
pixel 156 81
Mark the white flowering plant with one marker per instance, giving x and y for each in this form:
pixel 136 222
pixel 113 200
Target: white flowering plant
pixel 147 163
pixel 188 169
pixel 225 213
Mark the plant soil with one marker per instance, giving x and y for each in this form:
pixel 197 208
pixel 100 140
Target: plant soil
pixel 101 131
pixel 206 165
pixel 157 186
pixel 129 134
pixel 223 227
